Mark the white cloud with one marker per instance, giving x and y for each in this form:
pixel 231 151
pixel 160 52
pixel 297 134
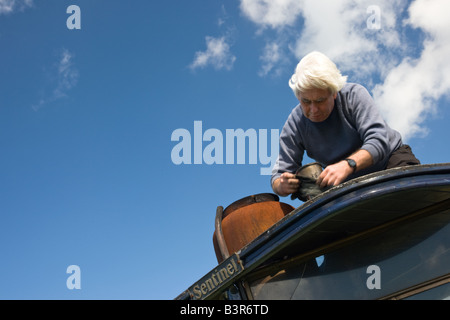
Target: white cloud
pixel 217 54
pixel 338 28
pixel 407 83
pixel 67 74
pixel 411 90
pixel 64 76
pixel 9 6
pixel 272 13
pixel 341 29
pixel 271 58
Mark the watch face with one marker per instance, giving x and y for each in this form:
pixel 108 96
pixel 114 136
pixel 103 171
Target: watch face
pixel 351 163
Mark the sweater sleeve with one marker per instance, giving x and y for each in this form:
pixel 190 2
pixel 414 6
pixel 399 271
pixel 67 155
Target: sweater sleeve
pixel 291 149
pixel 369 123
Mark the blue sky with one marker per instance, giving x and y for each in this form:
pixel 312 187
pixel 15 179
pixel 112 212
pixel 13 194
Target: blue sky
pixel 87 117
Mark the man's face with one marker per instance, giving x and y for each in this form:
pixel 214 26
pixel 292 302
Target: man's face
pixel 317 104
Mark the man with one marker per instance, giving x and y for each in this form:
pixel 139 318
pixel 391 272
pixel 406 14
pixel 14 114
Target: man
pixel 338 125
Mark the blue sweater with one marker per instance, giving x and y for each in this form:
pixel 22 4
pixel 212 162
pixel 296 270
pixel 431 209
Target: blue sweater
pixel 354 124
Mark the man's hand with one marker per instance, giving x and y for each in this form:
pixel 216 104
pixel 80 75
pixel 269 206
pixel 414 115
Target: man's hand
pixel 286 184
pixel 334 174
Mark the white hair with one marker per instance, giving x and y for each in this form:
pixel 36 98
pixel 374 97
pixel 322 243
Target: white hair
pixel 316 71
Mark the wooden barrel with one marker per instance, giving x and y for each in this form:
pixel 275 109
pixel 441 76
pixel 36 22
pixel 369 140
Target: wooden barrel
pixel 244 220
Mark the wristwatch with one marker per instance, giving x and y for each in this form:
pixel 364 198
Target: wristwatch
pixel 351 163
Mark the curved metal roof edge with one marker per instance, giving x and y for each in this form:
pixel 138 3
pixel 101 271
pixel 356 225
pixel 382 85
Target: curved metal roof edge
pixel 253 249
pixel 371 179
